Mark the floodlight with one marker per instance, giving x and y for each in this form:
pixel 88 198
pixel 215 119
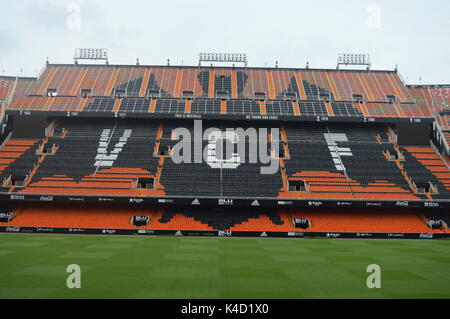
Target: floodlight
pixel 353 59
pixel 222 57
pixel 90 54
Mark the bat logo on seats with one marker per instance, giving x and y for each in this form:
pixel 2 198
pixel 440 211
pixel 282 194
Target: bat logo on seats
pixel 227 148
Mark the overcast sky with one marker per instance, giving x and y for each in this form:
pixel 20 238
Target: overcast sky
pixel 413 34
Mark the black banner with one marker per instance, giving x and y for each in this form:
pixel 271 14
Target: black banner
pixel 291 118
pixel 221 233
pixel 224 202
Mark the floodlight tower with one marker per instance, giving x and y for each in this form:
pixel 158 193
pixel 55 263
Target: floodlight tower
pixel 353 59
pixel 90 54
pixel 222 57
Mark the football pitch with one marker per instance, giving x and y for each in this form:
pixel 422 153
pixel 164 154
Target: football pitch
pixel 34 266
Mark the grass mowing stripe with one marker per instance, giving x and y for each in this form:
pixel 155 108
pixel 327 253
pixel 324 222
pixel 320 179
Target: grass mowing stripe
pixel 33 266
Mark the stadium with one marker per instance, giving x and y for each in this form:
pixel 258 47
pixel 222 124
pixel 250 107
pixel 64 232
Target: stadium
pixel 221 157
pixel 87 149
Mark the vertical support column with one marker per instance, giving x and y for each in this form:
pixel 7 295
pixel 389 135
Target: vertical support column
pixel 397 89
pixel 47 81
pixel 336 94
pixel 151 109
pixel 159 133
pixel 223 107
pixel 112 81
pixel 82 104
pixel 262 107
pixel 330 111
pixel 366 88
pixel 270 85
pixel 177 92
pixel 363 109
pixel 117 105
pixel 301 89
pixel 211 85
pixel 161 157
pixel 234 90
pixel 296 108
pixel 144 84
pixel 187 108
pixel 80 78
pixel 286 152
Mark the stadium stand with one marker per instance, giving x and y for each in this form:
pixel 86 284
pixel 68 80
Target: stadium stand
pixel 6 86
pixel 339 161
pixel 202 219
pixel 240 178
pixel 176 82
pixel 363 221
pixel 423 165
pixel 436 99
pixel 331 158
pixel 17 163
pixel 355 138
pixel 99 168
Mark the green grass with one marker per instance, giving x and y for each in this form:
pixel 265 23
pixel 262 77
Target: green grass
pixel 34 266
